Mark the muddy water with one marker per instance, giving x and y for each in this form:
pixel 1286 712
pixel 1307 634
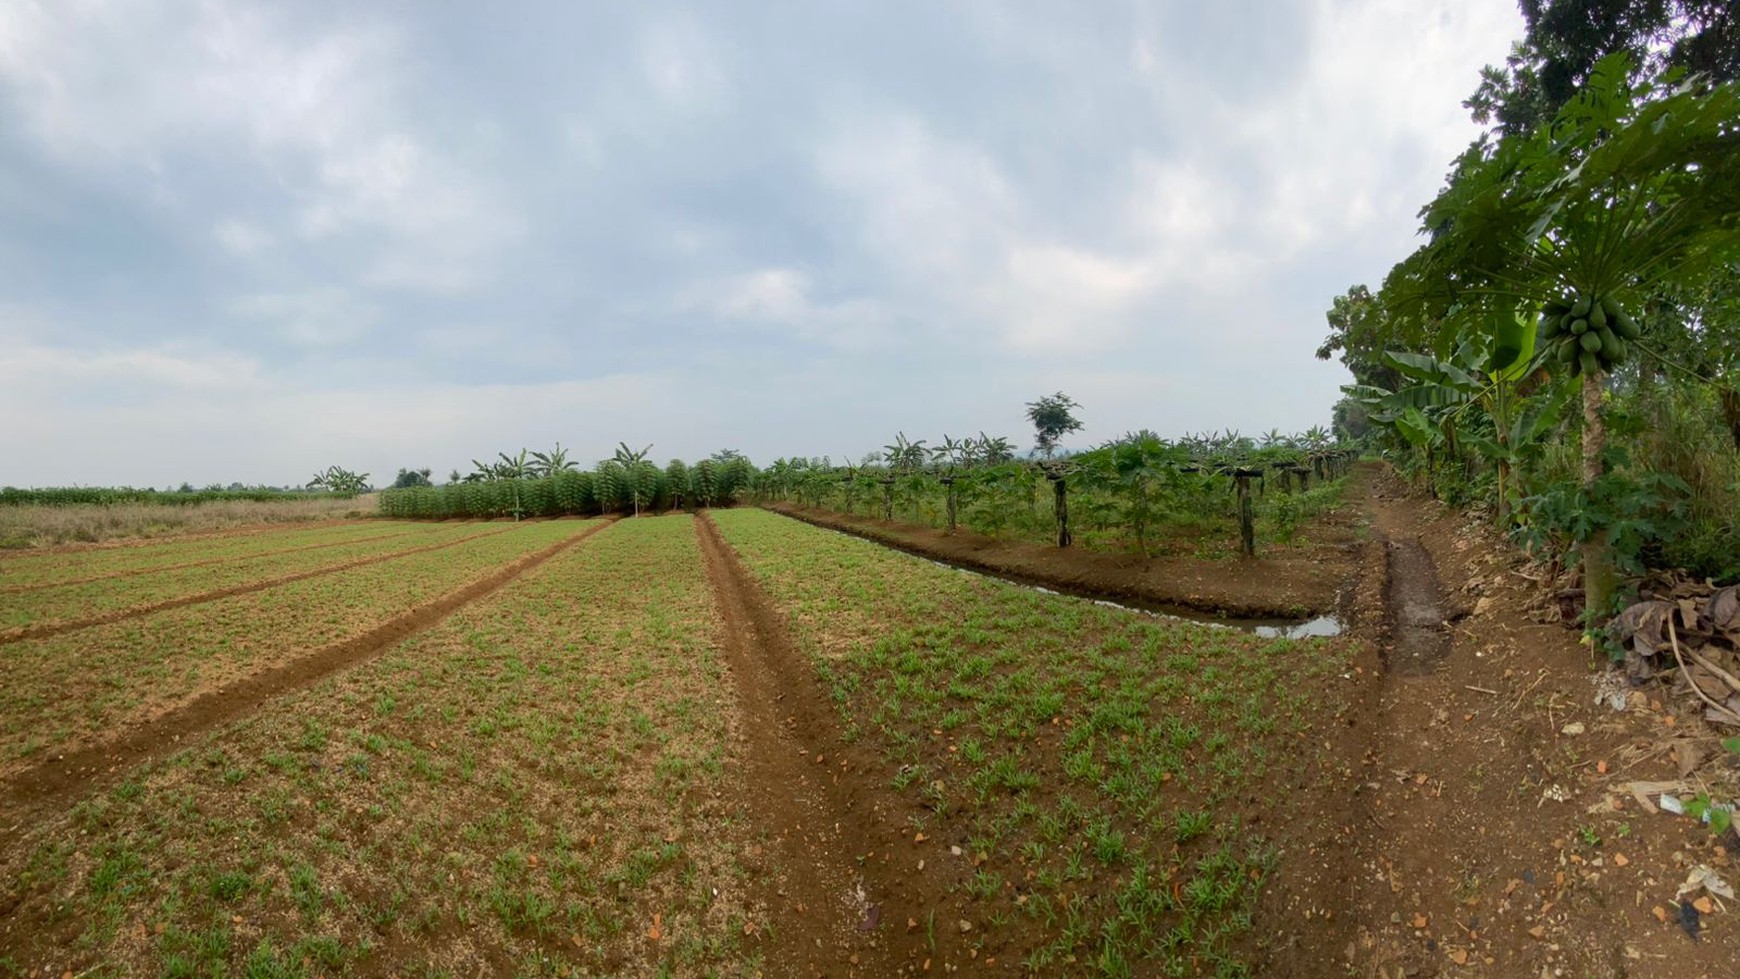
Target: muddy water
pixel 1419 639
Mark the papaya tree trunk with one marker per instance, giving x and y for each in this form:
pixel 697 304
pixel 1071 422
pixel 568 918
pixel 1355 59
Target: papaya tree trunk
pixel 888 500
pixel 1598 575
pixel 1501 430
pixel 950 484
pixel 1141 520
pixel 1731 413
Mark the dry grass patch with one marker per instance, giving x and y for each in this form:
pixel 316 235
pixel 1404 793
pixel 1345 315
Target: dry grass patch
pixel 46 526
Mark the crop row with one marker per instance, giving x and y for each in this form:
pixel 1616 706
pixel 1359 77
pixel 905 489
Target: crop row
pixel 532 787
pixel 1090 763
pixel 624 485
pixel 1130 495
pixel 94 598
pixel 74 686
pixel 36 569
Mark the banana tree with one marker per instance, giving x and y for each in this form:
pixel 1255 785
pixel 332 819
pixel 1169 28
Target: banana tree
pixel 948 458
pixel 546 464
pixel 339 481
pixel 902 458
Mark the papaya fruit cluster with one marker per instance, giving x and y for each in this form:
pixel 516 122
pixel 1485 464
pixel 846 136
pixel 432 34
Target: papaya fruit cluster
pixel 1588 334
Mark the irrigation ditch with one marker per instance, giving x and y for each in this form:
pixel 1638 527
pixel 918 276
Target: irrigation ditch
pixel 1129 594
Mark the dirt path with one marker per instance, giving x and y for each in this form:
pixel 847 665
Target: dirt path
pixel 49 629
pixel 1293 582
pixel 828 916
pixel 1496 843
pixel 68 583
pixel 77 772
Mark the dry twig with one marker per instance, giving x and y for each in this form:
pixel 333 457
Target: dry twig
pixel 1721 711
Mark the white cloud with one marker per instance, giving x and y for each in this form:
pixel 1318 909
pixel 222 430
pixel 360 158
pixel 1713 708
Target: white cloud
pixel 238 421
pixel 241 237
pixel 32 372
pixel 780 301
pixel 316 318
pixel 144 88
pixel 913 225
pixel 683 65
pixel 1061 298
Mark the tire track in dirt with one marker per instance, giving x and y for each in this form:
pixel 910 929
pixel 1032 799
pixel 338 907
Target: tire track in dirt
pixel 140 572
pixel 50 629
pixel 1418 635
pixel 828 919
pixel 78 771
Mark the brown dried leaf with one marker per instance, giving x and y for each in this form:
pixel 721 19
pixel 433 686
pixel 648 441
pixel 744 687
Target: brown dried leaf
pixel 1687 756
pixel 1690 623
pixel 1645 625
pixel 1723 608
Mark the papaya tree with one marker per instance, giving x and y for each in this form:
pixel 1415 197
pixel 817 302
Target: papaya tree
pixel 1634 183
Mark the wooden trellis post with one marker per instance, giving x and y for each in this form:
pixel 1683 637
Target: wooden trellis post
pixel 1247 519
pixel 1060 505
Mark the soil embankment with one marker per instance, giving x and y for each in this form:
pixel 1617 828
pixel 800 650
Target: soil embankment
pixel 1297 581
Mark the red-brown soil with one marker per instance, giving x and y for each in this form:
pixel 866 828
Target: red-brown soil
pixel 827 914
pixel 1296 581
pixel 1497 838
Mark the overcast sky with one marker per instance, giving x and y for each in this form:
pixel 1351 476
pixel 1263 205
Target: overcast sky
pixel 243 241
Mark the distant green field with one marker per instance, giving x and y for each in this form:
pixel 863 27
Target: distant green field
pixel 109 496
